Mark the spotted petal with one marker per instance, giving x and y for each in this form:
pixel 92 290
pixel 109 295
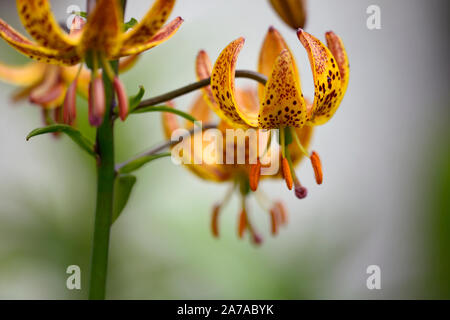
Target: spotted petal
pixel 33 50
pixel 223 88
pixel 164 34
pixel 283 103
pixel 25 75
pixel 38 19
pixel 336 47
pixel 327 79
pixel 103 29
pixel 272 46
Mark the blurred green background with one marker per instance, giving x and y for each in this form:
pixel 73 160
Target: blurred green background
pixel 386 157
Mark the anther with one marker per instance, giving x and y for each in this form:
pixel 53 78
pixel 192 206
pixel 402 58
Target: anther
pixel 300 191
pixel 317 166
pixel 215 220
pixel 274 214
pixel 254 175
pixel 286 173
pixel 242 223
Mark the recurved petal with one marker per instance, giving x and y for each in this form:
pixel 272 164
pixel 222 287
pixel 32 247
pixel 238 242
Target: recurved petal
pixel 223 87
pixel 214 171
pixel 336 46
pixel 199 110
pixel 293 12
pixel 327 79
pixel 127 63
pixel 38 19
pixel 150 24
pixel 283 103
pixel 34 51
pixel 25 75
pixel 203 69
pixel 164 34
pixel 272 46
pixel 103 29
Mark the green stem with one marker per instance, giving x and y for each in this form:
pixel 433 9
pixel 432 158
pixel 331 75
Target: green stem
pixel 103 214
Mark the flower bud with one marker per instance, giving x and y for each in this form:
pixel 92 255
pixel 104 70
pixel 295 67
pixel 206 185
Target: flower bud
pixel 293 12
pixel 69 106
pixel 122 98
pixel 96 102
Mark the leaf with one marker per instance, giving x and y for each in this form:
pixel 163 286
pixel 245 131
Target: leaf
pixel 130 24
pixel 73 133
pixel 182 114
pixel 123 185
pixel 134 101
pixel 139 162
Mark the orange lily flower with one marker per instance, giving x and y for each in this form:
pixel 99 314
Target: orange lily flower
pixel 282 105
pixel 100 40
pixel 241 176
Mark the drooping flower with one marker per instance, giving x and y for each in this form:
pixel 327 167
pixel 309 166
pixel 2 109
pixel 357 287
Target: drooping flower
pixel 99 41
pixel 282 105
pixel 52 87
pixel 293 12
pixel 240 176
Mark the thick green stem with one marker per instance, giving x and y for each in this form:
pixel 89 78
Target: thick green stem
pixel 103 214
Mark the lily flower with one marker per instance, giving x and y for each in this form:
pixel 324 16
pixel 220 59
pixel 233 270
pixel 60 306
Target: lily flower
pixel 282 105
pixel 239 176
pixel 293 12
pixel 100 40
pixel 48 86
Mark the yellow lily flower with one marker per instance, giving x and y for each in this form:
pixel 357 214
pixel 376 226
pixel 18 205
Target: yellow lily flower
pixel 282 105
pixel 101 38
pixel 293 12
pixel 241 175
pixel 103 32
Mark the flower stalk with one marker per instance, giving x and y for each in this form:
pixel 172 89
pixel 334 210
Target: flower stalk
pixel 105 190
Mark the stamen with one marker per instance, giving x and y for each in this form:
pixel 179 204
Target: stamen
pixel 107 68
pixel 121 97
pixel 242 225
pixel 274 220
pixel 317 166
pixel 257 239
pixel 215 220
pixel 254 175
pixel 282 142
pixel 216 211
pixel 282 212
pixel 300 191
pixel 299 144
pixel 286 172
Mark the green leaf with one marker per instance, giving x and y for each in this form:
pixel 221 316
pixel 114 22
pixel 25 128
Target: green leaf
pixel 139 162
pixel 123 185
pixel 134 101
pixel 182 114
pixel 73 133
pixel 130 24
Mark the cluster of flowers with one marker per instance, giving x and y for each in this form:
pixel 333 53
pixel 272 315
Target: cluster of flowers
pixel 52 83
